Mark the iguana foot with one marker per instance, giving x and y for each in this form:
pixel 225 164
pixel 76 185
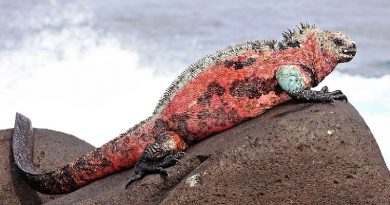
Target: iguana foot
pixel 171 160
pixel 165 152
pixel 332 96
pixel 143 168
pixel 321 96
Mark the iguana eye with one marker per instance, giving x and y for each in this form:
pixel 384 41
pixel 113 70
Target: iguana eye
pixel 338 42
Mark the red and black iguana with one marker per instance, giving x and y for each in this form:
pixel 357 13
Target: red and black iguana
pixel 212 95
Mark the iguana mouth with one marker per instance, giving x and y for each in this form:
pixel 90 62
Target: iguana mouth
pixel 348 54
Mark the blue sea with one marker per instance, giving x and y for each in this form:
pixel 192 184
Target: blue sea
pixel 95 68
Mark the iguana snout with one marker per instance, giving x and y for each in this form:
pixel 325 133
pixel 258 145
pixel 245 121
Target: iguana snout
pixel 344 47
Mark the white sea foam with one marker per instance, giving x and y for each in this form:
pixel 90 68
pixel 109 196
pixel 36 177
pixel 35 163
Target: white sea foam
pixel 77 81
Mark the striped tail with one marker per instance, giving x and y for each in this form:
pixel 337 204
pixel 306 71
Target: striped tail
pixel 118 154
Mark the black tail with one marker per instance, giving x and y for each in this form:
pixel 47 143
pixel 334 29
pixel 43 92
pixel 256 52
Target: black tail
pixel 53 182
pixel 23 144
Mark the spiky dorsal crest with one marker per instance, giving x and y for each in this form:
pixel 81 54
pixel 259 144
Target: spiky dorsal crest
pixel 304 26
pixel 293 38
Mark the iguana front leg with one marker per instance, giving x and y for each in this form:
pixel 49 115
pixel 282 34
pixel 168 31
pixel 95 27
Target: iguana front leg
pixel 165 152
pixel 296 80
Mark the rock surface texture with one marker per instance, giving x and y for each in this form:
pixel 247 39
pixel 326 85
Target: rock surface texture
pixel 296 153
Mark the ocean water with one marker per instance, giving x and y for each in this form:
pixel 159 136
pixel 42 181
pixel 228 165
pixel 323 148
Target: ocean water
pixel 95 68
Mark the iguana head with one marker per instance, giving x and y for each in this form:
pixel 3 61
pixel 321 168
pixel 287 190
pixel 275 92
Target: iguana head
pixel 337 43
pixel 324 49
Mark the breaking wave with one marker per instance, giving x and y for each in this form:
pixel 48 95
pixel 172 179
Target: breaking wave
pixel 76 79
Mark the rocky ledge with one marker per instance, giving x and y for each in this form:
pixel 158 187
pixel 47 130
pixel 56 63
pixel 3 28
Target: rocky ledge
pixel 296 153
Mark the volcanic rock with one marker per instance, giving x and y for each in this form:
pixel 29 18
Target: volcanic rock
pixel 296 153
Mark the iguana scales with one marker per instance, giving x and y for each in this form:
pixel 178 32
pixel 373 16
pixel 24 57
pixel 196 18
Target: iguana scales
pixel 212 95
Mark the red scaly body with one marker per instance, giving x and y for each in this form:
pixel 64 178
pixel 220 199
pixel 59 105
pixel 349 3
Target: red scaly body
pixel 220 96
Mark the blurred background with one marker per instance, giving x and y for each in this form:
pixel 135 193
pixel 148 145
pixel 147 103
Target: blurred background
pixel 95 68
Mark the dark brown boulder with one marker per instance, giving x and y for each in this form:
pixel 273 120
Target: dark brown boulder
pixel 302 153
pixel 298 153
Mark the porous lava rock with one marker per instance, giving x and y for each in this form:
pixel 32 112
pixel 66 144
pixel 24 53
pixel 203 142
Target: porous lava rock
pixel 296 153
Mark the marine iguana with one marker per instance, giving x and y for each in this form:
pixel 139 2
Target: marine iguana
pixel 212 95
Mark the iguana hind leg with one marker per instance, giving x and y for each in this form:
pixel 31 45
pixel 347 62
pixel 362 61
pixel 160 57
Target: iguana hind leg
pixel 165 152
